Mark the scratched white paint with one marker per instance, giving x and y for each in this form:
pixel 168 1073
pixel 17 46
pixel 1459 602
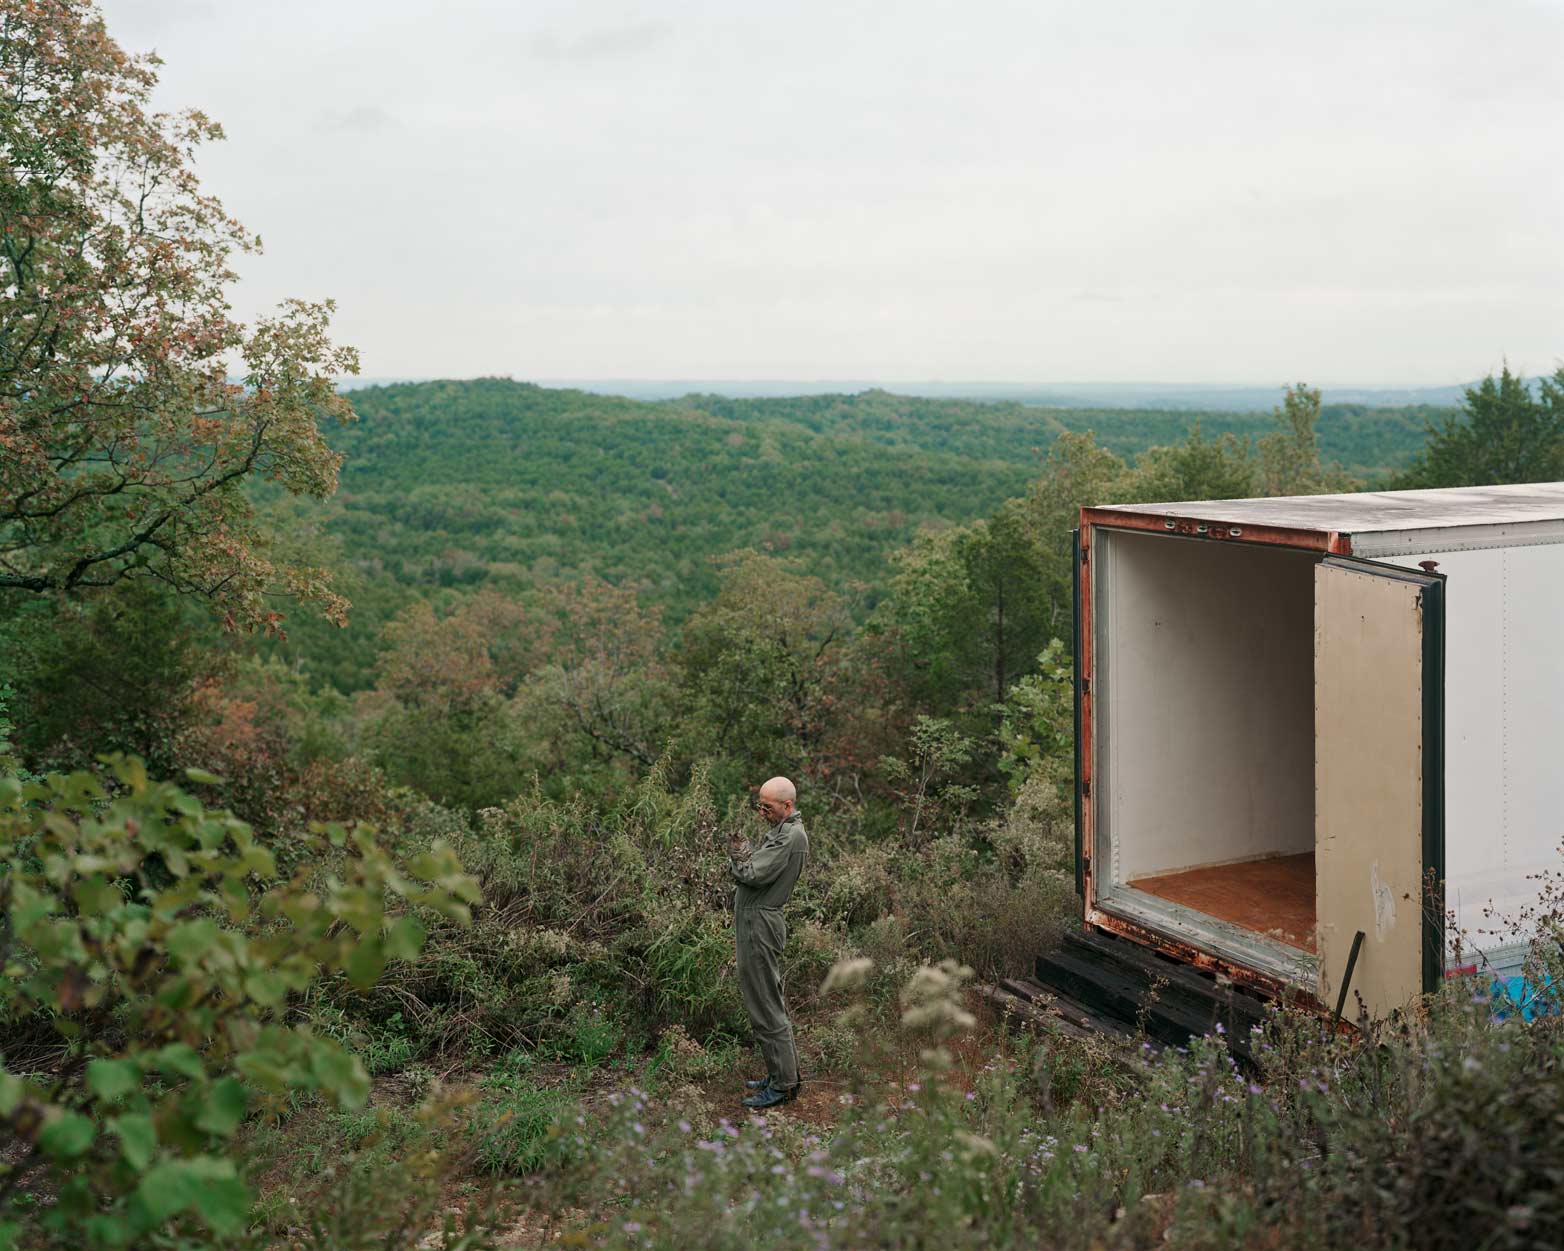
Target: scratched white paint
pixel 1384 903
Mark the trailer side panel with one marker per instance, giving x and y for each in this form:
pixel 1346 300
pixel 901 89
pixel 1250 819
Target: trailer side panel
pixel 1504 783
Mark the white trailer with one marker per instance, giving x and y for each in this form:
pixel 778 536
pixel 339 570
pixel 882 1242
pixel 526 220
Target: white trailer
pixel 1306 718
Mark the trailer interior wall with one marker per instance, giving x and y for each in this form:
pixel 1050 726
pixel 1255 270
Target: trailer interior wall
pixel 1205 703
pixel 1504 753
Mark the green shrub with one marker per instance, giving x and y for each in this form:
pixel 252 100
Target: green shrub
pixel 608 925
pixel 999 898
pixel 588 1036
pixel 383 1046
pixel 1445 1127
pixel 151 955
pixel 679 1058
pixel 689 971
pixel 367 1180
pixel 519 1127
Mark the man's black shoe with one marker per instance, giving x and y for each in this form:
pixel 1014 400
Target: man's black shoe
pixel 770 1096
pixel 758 1083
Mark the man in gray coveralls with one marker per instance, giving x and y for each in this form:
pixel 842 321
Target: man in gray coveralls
pixel 765 877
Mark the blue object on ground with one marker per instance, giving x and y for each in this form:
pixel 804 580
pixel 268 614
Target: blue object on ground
pixel 1519 996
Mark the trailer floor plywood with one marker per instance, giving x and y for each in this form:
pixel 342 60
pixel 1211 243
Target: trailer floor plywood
pixel 1274 896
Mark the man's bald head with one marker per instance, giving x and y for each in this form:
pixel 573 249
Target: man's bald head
pixel 777 798
pixel 779 788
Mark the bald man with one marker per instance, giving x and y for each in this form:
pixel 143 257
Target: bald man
pixel 765 876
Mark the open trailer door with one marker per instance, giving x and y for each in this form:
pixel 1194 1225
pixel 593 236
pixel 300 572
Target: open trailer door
pixel 1379 781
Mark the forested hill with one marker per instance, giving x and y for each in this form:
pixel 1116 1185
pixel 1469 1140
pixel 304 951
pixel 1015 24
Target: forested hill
pixel 500 483
pixel 1367 441
pixel 453 482
pixel 492 482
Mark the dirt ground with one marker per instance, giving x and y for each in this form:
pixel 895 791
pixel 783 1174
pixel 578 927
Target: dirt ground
pixel 820 1103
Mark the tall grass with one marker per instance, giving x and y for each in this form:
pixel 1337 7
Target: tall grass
pixel 625 910
pixel 1436 1133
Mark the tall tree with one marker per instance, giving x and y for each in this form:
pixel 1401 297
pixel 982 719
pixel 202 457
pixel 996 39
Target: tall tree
pixel 84 690
pixel 760 665
pixel 1197 469
pixel 1077 474
pixel 924 621
pixel 124 443
pixel 1005 574
pixel 605 683
pixel 1503 433
pixel 440 718
pixel 965 614
pixel 1290 458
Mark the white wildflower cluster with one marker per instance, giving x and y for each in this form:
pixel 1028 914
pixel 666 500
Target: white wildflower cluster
pixel 931 1000
pixel 543 948
pixel 858 887
pixel 818 940
pixel 847 974
pixel 1032 836
pixel 679 1043
pixel 491 823
pixel 562 988
pixel 552 942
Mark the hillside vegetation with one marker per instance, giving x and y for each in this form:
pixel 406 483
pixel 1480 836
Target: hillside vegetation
pixel 424 938
pixel 450 944
pixel 458 485
pixel 1366 441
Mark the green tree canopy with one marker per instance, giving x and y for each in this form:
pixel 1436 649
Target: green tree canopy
pixel 1290 458
pixel 1503 433
pixel 153 951
pixel 760 664
pixel 123 440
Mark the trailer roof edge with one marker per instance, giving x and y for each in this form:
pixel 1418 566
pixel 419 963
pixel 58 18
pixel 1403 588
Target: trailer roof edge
pixel 1364 513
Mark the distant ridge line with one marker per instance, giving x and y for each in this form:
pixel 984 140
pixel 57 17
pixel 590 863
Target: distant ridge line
pixel 1219 397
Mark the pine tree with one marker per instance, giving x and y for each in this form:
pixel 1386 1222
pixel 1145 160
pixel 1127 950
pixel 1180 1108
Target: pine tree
pixel 1503 434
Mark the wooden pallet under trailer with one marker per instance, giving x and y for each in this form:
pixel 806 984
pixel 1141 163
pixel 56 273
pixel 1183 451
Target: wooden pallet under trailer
pixel 1098 984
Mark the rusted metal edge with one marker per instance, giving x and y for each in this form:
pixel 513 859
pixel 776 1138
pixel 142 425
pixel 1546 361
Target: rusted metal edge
pixel 1207 528
pixel 1267 984
pixel 1085 648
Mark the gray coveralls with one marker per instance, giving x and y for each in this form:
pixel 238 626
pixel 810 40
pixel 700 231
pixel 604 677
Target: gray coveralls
pixel 765 880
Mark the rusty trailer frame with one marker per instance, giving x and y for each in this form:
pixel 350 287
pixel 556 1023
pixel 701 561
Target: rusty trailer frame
pixel 1188 526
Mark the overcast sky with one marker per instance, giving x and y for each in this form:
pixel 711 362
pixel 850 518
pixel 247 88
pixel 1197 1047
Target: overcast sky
pixel 1206 190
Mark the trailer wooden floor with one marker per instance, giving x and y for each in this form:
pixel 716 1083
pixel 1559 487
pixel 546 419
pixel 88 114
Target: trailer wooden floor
pixel 1274 897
